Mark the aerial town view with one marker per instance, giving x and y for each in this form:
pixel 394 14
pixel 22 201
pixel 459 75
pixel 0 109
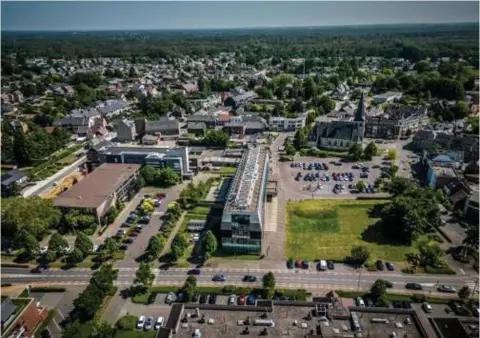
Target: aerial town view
pixel 228 169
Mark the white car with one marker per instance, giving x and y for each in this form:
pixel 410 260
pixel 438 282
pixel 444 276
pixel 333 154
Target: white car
pixel 196 237
pixel 141 322
pixel 44 249
pixel 159 323
pixel 95 248
pixel 360 302
pixel 426 307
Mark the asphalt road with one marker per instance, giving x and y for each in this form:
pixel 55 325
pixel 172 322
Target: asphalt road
pixel 309 279
pixel 44 186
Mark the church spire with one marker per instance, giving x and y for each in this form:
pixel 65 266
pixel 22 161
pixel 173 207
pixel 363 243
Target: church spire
pixel 360 114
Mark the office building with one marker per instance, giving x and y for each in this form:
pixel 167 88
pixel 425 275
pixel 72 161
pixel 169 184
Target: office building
pixel 243 215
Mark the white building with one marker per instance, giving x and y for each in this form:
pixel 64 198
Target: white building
pixel 278 123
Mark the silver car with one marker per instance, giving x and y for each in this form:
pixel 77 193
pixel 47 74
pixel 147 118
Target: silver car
pixel 149 323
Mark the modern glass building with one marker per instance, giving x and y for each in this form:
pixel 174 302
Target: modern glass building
pixel 243 215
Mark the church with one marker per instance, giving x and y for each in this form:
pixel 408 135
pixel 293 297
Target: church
pixel 340 134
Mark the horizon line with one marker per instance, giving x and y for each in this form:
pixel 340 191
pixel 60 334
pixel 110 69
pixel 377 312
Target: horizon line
pixel 235 28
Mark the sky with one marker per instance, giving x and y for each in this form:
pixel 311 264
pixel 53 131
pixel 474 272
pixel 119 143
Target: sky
pixel 135 15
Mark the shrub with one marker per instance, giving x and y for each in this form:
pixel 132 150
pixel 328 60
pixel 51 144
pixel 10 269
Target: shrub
pixel 48 289
pixel 127 323
pixel 408 269
pixel 419 298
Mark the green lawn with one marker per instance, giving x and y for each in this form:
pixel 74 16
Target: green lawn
pixel 136 334
pixel 327 229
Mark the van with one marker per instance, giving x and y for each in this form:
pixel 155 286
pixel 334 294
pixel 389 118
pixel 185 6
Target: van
pixel 322 265
pixel 264 322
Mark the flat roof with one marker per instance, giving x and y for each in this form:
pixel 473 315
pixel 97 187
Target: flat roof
pixel 97 186
pixel 245 191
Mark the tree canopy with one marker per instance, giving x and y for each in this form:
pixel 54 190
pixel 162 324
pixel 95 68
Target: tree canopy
pixel 33 214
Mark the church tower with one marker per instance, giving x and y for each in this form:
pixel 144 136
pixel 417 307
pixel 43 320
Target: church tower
pixel 359 121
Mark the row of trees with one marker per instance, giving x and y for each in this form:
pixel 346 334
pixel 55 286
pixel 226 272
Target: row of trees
pixel 405 42
pixel 193 194
pixel 356 152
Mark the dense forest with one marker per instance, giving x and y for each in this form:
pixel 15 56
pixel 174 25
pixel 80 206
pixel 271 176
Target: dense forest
pixel 414 42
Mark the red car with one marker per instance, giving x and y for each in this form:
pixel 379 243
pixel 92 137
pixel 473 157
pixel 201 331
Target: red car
pixel 298 263
pixel 241 300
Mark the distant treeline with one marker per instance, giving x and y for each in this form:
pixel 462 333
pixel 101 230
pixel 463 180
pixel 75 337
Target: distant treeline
pixel 414 42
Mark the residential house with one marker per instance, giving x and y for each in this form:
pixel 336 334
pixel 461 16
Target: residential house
pixel 387 97
pixel 242 99
pixel 21 317
pixel 190 87
pixel 209 120
pixel 13 178
pixel 197 128
pixel 150 139
pixel 79 121
pixel 112 108
pixel 164 127
pixel 341 92
pixel 126 131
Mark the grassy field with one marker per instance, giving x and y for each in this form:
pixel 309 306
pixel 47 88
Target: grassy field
pixel 327 229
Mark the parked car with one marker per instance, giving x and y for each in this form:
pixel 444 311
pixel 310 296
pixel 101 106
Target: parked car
pixel 360 302
pixel 251 299
pixel 129 240
pixel 171 297
pixel 290 264
pixel 390 266
pixel 413 286
pixel 141 322
pixel 219 278
pixel 203 299
pixel 121 232
pixel 331 265
pixel 159 323
pixel 213 299
pixel 232 299
pixel 369 302
pixel 380 265
pixel 149 323
pixel 195 298
pixel 144 219
pixel 427 307
pixel 180 296
pixel 242 300
pixel 249 278
pixel 447 289
pixel 305 264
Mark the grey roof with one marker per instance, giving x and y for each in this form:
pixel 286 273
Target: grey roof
pixel 8 309
pixel 201 118
pixel 160 125
pixel 149 137
pixel 196 125
pixel 245 96
pixel 254 125
pixel 116 105
pixel 12 176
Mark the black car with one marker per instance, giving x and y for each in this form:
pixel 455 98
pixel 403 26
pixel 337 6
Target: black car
pixel 203 299
pixel 290 264
pixel 129 240
pixel 195 298
pixel 331 265
pixel 249 278
pixel 413 286
pixel 213 299
pixel 380 265
pixel 124 247
pixel 194 272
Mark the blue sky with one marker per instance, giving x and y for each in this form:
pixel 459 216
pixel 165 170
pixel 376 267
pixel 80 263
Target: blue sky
pixel 103 15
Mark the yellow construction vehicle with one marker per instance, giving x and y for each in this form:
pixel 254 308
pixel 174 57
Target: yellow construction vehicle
pixel 64 185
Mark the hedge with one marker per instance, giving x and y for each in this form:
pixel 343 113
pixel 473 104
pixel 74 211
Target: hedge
pixel 47 289
pixel 416 298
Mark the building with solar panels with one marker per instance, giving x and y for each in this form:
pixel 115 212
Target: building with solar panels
pixel 243 215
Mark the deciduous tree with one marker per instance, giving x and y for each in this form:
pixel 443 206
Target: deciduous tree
pixel 209 243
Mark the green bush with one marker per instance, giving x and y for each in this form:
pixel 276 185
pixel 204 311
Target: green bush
pixel 419 298
pixel 441 270
pixel 141 298
pixel 127 323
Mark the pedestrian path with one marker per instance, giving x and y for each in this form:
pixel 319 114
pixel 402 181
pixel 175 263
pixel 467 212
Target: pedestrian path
pixel 271 213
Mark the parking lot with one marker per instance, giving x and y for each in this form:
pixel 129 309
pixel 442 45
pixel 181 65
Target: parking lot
pixel 318 177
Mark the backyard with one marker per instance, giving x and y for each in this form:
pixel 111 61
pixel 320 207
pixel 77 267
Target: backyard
pixel 328 229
